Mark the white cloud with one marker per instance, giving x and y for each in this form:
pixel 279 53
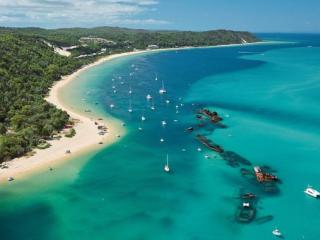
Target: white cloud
pixel 53 13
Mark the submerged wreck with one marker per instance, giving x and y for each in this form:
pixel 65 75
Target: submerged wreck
pixel 208 143
pixel 263 176
pixel 246 210
pixel 213 116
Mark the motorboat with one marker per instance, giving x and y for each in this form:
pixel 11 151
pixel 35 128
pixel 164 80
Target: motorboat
pixel 276 232
pixel 10 179
pixel 312 192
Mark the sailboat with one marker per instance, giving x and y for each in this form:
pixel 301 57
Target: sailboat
pixel 162 89
pixel 130 108
pixel 166 167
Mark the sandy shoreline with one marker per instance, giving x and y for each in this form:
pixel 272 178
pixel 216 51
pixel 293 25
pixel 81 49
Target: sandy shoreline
pixel 86 138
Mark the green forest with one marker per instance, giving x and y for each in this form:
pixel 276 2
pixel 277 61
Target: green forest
pixel 29 67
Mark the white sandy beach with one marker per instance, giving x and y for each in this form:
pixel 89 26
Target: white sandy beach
pixel 86 138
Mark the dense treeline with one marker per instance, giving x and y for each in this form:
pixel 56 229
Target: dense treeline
pixel 132 38
pixel 28 69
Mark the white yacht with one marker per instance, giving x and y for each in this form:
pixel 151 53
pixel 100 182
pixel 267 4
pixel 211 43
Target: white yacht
pixel 143 118
pixel 162 89
pixel 312 192
pixel 276 232
pixel 163 123
pixel 130 107
pixel 166 167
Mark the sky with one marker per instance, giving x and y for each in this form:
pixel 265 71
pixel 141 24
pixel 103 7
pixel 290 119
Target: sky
pixel 198 15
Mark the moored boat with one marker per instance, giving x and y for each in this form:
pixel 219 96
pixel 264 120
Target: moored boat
pixel 276 232
pixel 312 192
pixel 166 166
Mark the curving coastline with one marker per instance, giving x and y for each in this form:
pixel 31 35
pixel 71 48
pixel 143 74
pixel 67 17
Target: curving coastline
pixel 86 138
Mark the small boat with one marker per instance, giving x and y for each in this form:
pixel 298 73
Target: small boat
pixel 161 140
pixel 190 129
pixel 140 128
pixel 130 91
pixel 10 179
pixel 162 89
pixel 130 108
pixel 199 149
pixel 166 167
pixel 276 232
pixel 111 106
pixel 68 151
pixel 148 97
pixel 152 108
pixel 312 192
pixel 163 123
pixel 167 101
pixel 143 118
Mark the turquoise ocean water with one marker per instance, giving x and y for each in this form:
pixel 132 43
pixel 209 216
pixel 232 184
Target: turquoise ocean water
pixel 269 97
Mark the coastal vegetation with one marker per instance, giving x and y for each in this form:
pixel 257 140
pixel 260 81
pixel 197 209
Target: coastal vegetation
pixel 30 64
pixel 82 41
pixel 28 69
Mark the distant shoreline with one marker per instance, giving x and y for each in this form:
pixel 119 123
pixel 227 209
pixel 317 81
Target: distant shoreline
pixel 87 137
